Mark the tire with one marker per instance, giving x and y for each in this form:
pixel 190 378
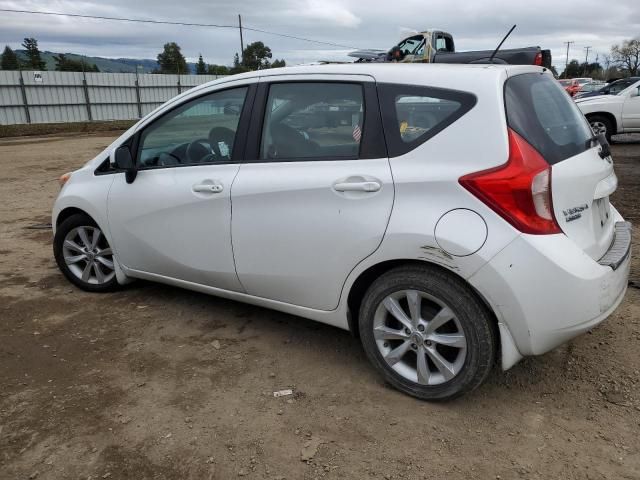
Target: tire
pixel 86 260
pixel 441 295
pixel 601 124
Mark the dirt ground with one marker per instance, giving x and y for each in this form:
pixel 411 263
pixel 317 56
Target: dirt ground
pixel 155 382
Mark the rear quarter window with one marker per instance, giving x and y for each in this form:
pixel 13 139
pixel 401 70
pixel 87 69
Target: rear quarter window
pixel 413 114
pixel 541 112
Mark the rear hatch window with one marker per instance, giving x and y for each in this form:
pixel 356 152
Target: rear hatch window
pixel 544 115
pixel 541 112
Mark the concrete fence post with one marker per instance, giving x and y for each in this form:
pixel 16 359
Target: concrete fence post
pixel 138 102
pixel 86 96
pixel 23 90
pixel 179 86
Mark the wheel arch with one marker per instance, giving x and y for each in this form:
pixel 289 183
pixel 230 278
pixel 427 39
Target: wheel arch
pixel 609 116
pixel 68 212
pixel 367 277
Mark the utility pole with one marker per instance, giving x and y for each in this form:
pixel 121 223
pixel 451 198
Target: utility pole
pixel 241 41
pixel 586 60
pixel 567 62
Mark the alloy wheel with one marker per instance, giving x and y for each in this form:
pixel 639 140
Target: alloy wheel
pixel 88 255
pixel 419 337
pixel 598 127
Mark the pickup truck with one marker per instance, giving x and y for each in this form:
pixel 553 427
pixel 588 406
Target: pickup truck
pixel 613 114
pixel 436 46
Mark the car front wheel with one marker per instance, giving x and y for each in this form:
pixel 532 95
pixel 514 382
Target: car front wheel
pixel 84 255
pixel 600 124
pixel 427 333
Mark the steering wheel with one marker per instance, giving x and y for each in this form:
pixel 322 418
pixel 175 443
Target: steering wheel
pixel 198 153
pixel 221 141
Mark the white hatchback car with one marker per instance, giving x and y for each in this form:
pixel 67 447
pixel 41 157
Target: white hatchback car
pixel 448 215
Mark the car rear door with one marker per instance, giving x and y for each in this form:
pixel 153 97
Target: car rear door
pixel 174 219
pixel 582 176
pixel 314 195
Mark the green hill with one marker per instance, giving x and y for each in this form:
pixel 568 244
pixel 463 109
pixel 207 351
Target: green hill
pixel 108 65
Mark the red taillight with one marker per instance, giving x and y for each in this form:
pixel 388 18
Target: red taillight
pixel 520 190
pixel 538 59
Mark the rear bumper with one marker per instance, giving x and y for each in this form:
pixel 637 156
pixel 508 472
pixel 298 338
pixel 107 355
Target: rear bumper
pixel 546 290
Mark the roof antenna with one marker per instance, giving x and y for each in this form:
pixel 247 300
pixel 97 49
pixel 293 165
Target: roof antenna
pixel 500 44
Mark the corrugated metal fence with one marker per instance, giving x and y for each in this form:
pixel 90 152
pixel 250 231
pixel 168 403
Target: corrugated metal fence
pixel 48 97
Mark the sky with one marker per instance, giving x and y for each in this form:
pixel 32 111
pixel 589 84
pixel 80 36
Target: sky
pixel 474 24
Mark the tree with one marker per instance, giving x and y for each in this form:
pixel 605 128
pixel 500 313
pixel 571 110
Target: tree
pixel 64 64
pixel 201 67
pixel 217 70
pixel 572 69
pixel 171 60
pixel 256 56
pixel 278 64
pixel 237 66
pixel 9 59
pixel 627 55
pixel 34 60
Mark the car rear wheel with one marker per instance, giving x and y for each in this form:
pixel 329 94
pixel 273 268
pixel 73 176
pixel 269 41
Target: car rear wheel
pixel 600 124
pixel 84 255
pixel 427 333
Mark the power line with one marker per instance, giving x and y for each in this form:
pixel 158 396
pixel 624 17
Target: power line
pixel 167 22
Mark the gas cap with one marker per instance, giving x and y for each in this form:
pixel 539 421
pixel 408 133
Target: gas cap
pixel 461 232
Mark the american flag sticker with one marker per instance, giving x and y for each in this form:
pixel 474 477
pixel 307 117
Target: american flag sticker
pixel 357 133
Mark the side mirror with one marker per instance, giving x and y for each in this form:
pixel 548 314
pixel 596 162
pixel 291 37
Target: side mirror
pixel 635 92
pixel 124 161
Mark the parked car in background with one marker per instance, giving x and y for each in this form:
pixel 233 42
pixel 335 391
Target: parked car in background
pixel 573 85
pixel 613 113
pixel 443 243
pixel 589 87
pixel 612 88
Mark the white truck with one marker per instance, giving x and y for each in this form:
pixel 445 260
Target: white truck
pixel 613 114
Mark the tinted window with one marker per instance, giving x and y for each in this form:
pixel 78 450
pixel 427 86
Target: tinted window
pixel 312 120
pixel 200 131
pixel 540 111
pixel 620 85
pixel 412 114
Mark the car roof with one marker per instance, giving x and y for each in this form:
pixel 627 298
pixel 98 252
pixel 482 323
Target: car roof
pixel 416 74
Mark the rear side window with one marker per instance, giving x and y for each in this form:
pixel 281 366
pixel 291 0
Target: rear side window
pixel 414 114
pixel 541 112
pixel 313 121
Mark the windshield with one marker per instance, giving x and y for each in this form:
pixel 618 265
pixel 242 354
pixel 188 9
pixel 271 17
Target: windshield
pixel 540 111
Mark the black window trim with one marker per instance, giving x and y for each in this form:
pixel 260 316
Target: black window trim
pixel 388 93
pixel 133 142
pixel 372 144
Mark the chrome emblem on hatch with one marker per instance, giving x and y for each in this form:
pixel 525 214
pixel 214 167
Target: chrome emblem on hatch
pixel 574 213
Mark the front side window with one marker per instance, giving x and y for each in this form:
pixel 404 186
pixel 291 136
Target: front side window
pixel 312 121
pixel 201 131
pixel 410 45
pixel 414 114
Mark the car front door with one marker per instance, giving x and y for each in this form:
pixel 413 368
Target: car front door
pixel 174 219
pixel 631 109
pixel 314 195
